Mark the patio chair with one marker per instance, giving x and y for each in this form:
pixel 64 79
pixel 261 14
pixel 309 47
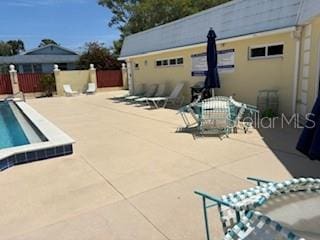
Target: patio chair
pixel 173 97
pixel 91 88
pixel 270 202
pixel 257 226
pixel 160 91
pixel 188 109
pixel 140 90
pixel 215 116
pixel 148 93
pixel 238 111
pixel 68 90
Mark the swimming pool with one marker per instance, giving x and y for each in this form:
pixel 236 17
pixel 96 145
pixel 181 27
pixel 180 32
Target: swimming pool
pixel 11 133
pixel 15 129
pixel 26 136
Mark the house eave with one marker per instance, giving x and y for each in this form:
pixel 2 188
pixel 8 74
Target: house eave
pixel 220 41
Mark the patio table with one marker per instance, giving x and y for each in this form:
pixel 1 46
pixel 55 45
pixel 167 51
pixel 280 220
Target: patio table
pixel 195 109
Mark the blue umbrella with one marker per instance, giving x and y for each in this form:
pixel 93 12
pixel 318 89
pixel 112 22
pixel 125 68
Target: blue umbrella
pixel 212 78
pixel 309 142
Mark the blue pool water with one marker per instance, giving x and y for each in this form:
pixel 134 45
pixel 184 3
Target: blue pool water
pixel 11 133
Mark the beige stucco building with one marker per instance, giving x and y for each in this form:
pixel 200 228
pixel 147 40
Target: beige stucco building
pixel 274 45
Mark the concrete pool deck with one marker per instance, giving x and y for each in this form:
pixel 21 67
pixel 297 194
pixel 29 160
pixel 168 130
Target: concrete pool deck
pixel 132 176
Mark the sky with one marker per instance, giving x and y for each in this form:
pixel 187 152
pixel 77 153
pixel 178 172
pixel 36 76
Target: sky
pixel 70 23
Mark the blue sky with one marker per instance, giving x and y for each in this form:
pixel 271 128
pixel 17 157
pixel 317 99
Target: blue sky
pixel 71 23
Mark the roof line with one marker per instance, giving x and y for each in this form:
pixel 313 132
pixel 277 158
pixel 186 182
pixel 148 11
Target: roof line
pixel 300 12
pixel 48 45
pixel 235 38
pixel 185 18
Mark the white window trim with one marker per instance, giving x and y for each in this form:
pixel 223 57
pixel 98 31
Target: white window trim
pixel 168 59
pixel 266 46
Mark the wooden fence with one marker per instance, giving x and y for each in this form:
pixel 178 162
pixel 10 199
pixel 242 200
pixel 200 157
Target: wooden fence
pixel 109 78
pixel 30 82
pixel 5 84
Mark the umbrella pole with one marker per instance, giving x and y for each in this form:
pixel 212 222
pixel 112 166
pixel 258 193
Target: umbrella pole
pixel 212 92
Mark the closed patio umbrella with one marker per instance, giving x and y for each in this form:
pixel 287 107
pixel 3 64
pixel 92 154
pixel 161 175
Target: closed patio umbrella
pixel 212 78
pixel 309 142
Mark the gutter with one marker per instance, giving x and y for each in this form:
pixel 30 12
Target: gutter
pixel 227 40
pixel 297 37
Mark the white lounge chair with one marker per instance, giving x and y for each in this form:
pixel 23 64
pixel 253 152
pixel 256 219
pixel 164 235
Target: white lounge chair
pixel 68 90
pixel 139 91
pixel 172 98
pixel 160 91
pixel 148 93
pixel 91 88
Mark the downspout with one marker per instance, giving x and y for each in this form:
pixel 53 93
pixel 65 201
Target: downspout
pixel 297 37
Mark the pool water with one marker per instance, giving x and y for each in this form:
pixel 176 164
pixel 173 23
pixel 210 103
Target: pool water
pixel 11 133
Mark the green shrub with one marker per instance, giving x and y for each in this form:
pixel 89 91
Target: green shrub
pixel 48 84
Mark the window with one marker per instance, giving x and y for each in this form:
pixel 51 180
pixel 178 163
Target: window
pixel 258 52
pixel 37 68
pixel 180 61
pixel 169 62
pixel 267 51
pixel 275 50
pixel 173 61
pixel 63 66
pixel 158 63
pixel 27 68
pixel 136 66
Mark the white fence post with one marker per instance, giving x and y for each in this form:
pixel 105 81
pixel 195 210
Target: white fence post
pixel 124 76
pixel 93 74
pixel 14 79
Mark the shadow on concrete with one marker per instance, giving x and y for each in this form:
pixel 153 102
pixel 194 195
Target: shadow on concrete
pixel 282 141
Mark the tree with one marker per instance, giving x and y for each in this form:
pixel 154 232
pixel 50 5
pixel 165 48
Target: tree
pixel 11 47
pixel 17 46
pixel 47 41
pixel 96 53
pixel 5 49
pixel 132 16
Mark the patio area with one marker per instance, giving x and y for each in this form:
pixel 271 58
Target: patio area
pixel 133 175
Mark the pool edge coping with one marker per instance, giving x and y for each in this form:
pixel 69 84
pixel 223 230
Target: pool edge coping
pixel 55 136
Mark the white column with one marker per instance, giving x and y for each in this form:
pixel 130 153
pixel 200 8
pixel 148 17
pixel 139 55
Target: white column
pixel 92 74
pixel 124 76
pixel 14 79
pixel 130 77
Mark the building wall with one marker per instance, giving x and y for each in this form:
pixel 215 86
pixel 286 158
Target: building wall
pixel 48 67
pixel 77 79
pixel 314 63
pixel 249 76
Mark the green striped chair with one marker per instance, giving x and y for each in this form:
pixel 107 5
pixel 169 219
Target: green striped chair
pixel 234 207
pixel 254 225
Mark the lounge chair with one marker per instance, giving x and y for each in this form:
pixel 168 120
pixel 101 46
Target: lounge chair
pixel 91 88
pixel 271 210
pixel 160 91
pixel 140 90
pixel 68 90
pixel 148 93
pixel 172 98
